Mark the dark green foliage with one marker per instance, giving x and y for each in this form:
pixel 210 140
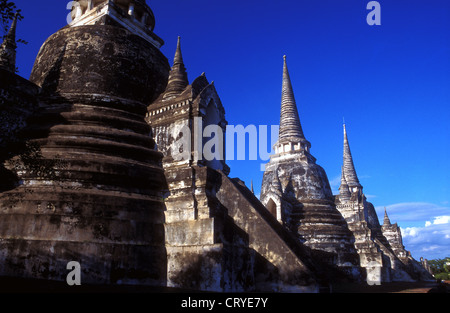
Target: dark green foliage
pixel 7 11
pixel 442 276
pixel 440 268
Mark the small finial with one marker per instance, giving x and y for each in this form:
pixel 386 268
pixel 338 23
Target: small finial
pixel 386 220
pixel 178 79
pixel 284 57
pixel 178 56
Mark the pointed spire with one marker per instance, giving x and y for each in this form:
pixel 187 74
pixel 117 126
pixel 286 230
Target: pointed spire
pixel 178 79
pixel 386 221
pixel 344 192
pixel 8 48
pixel 290 126
pixel 251 188
pixel 178 59
pixel 349 167
pixel 12 29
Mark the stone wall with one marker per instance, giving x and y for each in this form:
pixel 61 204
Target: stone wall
pixel 18 102
pixel 97 198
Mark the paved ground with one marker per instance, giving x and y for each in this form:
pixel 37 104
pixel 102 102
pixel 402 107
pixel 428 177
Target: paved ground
pixel 14 285
pixel 443 287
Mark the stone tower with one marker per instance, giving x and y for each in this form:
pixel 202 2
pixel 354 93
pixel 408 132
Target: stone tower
pixel 178 77
pixel 362 220
pixel 382 254
pixel 219 237
pixel 8 49
pixel 296 191
pixel 394 237
pixel 405 267
pixel 192 221
pixel 90 181
pixel 192 108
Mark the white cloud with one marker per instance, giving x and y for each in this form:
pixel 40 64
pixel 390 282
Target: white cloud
pixel 430 248
pixel 441 220
pixel 410 231
pixel 408 212
pixel 431 241
pixel 438 220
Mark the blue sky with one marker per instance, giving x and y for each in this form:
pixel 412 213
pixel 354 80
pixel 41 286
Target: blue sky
pixel 390 82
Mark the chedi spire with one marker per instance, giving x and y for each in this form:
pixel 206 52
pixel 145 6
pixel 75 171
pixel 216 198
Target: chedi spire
pixel 8 48
pixel 290 126
pixel 386 221
pixel 349 167
pixel 178 79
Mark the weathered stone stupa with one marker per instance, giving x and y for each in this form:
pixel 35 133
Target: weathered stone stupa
pixel 382 254
pixel 297 192
pixel 89 183
pixel 362 220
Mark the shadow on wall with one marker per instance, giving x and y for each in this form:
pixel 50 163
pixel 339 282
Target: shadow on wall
pixel 18 101
pixel 20 112
pixel 322 263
